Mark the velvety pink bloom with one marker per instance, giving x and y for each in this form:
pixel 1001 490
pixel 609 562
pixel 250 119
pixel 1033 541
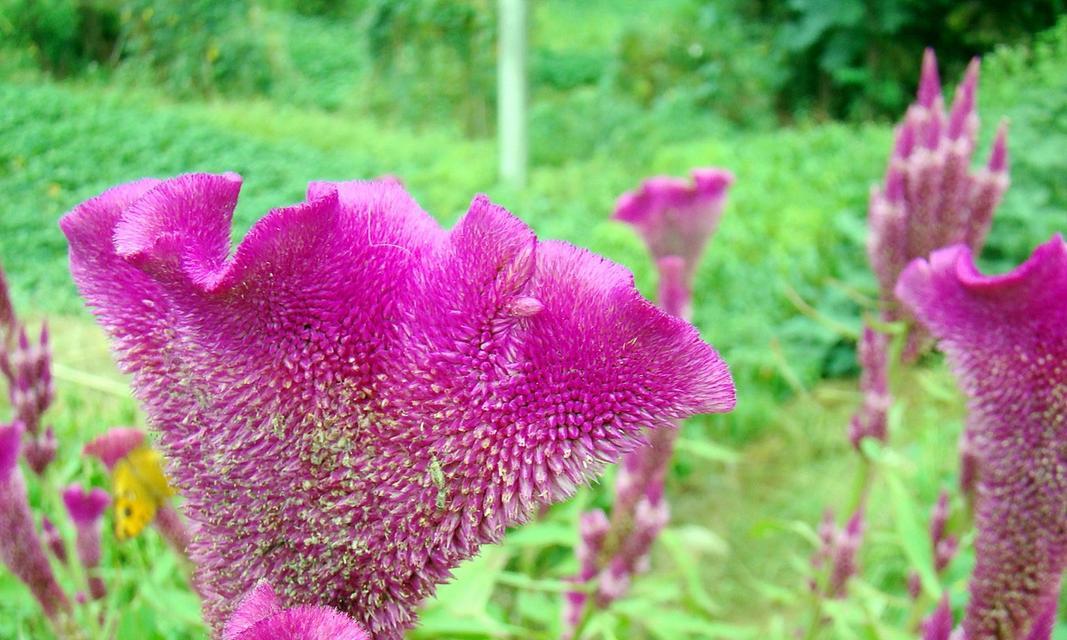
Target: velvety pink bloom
pixel 260 616
pixel 50 536
pixel 356 399
pixel 85 509
pixel 20 545
pixel 115 444
pixel 28 371
pixel 938 626
pixel 931 198
pixel 871 420
pixel 1006 338
pixel 676 217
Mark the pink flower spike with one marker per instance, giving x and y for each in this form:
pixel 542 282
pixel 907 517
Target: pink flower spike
pixel 8 320
pixel 52 539
pixel 348 402
pixel 674 217
pixel 259 616
pixel 938 626
pixel 85 509
pixel 20 545
pixel 114 445
pixel 1006 338
pixel 929 82
pixel 931 197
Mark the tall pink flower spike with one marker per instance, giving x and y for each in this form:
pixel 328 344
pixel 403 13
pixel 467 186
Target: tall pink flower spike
pixel 260 616
pixel 1006 338
pixel 21 548
pixel 356 399
pixel 931 198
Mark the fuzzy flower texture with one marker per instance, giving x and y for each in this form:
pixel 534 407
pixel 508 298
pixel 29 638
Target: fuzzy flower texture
pixel 931 198
pixel 1006 337
pixel 356 399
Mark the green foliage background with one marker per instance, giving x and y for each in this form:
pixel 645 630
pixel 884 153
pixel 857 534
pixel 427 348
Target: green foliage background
pixel 95 92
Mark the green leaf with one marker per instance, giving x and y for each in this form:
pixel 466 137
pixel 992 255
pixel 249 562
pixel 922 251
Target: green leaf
pixel 912 535
pixel 707 450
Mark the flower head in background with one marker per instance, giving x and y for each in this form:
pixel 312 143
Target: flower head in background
pixel 1006 337
pixel 8 321
pixel 871 421
pixel 676 217
pixel 114 445
pixel 931 198
pixel 85 509
pixel 20 544
pixel 357 399
pixel 259 616
pixel 31 389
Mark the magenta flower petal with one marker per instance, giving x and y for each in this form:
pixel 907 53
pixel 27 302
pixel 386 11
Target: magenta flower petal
pixel 676 217
pixel 259 616
pixel 114 445
pixel 20 546
pixel 1006 337
pixel 357 399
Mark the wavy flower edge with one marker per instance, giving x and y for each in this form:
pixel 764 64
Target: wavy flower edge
pixel 1006 339
pixel 396 432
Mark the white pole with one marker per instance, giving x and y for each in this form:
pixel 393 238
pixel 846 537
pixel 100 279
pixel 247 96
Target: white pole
pixel 511 92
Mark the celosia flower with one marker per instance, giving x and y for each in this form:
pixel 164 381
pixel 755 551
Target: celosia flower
pixel 938 626
pixel 31 390
pixel 356 399
pixel 85 509
pixel 52 539
pixel 931 198
pixel 1006 338
pixel 838 548
pixel 260 616
pixel 20 545
pixel 871 421
pixel 593 527
pixel 677 218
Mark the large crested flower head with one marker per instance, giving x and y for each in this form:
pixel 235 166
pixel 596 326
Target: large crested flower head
pixel 931 198
pixel 1006 337
pixel 20 545
pixel 676 217
pixel 260 616
pixel 356 399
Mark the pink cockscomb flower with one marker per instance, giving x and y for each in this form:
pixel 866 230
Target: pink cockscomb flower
pixel 20 545
pixel 1006 337
pixel 85 509
pixel 931 198
pixel 260 616
pixel 676 217
pixel 355 399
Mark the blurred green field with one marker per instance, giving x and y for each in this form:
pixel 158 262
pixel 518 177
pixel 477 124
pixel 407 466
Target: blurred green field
pixel 781 294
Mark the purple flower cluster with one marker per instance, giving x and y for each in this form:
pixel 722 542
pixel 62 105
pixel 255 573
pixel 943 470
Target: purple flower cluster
pixel 931 198
pixel 20 544
pixel 1006 338
pixel 28 371
pixel 356 399
pixel 871 421
pixel 837 551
